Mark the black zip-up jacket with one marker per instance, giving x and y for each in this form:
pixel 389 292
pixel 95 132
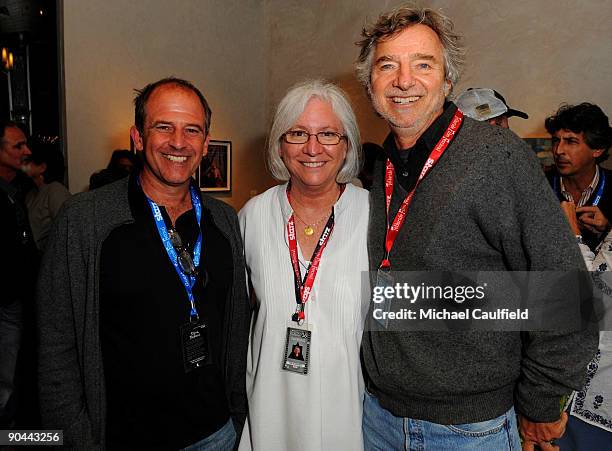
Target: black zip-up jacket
pixel 71 379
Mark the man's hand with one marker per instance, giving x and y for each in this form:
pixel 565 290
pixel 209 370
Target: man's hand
pixel 541 433
pixel 569 209
pixel 591 218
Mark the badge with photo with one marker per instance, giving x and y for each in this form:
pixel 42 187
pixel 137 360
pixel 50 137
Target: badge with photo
pixel 297 350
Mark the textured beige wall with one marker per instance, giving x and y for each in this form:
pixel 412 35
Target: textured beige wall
pixel 113 46
pixel 245 54
pixel 538 54
pixel 316 39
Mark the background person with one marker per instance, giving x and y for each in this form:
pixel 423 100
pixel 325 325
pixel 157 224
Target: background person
pixel 18 270
pixel 46 169
pixel 590 409
pixel 121 164
pixel 581 137
pixel 371 153
pixel 485 104
pixel 314 147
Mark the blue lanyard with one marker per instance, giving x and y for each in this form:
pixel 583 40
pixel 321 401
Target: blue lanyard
pixel 188 281
pixel 600 188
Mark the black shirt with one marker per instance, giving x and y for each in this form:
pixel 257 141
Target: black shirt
pixel 19 265
pixel 408 163
pixel 151 401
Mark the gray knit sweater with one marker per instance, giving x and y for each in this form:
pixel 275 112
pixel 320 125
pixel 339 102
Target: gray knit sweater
pixel 485 206
pixel 71 376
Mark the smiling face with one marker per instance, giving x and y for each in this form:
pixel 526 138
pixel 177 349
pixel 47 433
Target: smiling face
pixel 408 86
pixel 13 152
pixel 173 138
pixel 573 156
pixel 313 167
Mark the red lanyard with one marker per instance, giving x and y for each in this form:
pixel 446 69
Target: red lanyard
pixel 303 288
pixel 400 217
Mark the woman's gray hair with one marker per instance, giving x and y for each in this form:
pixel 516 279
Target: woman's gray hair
pixel 291 108
pixel 393 22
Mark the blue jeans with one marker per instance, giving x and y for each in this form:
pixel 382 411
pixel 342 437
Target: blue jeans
pixel 385 432
pixel 222 440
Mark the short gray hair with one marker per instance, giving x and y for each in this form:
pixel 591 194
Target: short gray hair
pixel 291 108
pixel 392 23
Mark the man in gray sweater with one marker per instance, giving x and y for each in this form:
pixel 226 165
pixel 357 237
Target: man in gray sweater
pixel 457 195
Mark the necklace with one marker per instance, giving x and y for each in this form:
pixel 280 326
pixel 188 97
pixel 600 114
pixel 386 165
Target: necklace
pixel 310 228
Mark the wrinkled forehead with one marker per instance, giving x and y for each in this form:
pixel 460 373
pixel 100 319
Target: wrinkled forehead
pixel 12 135
pixel 415 39
pixel 174 97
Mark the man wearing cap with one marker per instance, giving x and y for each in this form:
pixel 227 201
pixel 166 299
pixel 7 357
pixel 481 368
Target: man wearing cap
pixel 581 139
pixel 485 104
pixel 454 194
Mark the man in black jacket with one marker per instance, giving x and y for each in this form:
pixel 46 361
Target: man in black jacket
pixel 17 273
pixel 142 298
pixel 581 138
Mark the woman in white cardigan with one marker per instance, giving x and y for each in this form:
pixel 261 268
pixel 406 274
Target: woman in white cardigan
pixel 306 253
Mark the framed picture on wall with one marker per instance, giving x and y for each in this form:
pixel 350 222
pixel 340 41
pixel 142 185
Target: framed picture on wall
pixel 215 171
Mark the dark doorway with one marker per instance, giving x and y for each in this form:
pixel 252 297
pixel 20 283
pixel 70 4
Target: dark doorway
pixel 30 90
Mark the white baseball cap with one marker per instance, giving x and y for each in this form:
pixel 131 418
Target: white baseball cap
pixel 485 103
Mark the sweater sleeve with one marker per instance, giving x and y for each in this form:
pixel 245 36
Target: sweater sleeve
pixel 553 362
pixel 62 397
pixel 239 327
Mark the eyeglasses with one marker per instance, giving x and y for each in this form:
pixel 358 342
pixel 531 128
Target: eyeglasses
pixel 302 137
pixel 183 259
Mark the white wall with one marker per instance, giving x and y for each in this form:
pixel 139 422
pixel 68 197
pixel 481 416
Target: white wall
pixel 244 54
pixel 316 39
pixel 538 54
pixel 114 46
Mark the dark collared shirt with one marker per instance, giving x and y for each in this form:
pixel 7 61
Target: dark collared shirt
pixel 19 265
pixel 586 193
pixel 408 163
pixel 151 402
